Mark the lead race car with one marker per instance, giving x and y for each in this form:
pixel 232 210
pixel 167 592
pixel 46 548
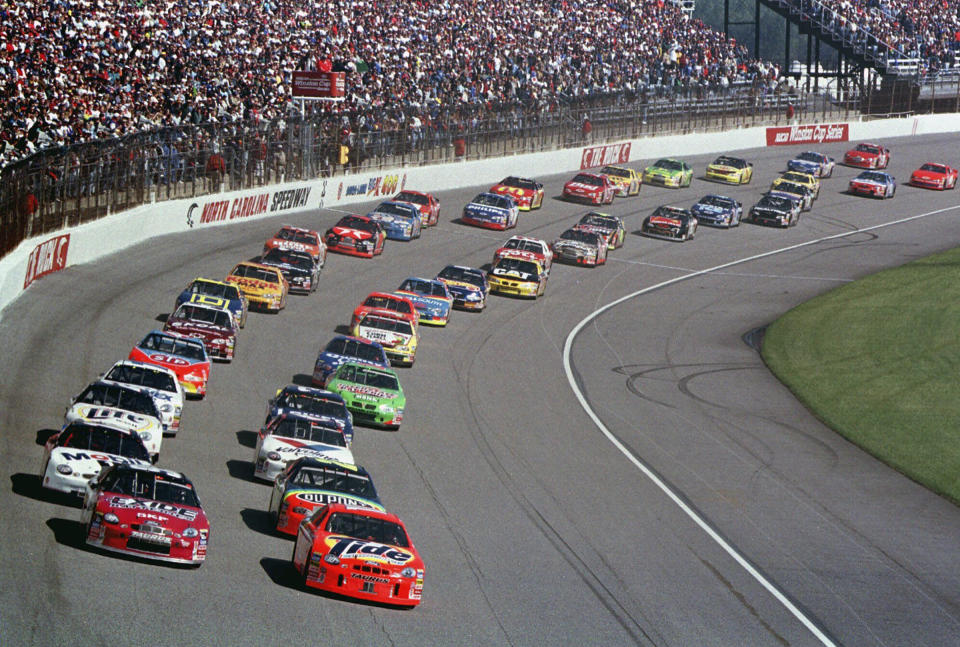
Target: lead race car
pixel 670 223
pixel 218 294
pixel 146 512
pixel 80 450
pixel 185 356
pixel 308 483
pixel 290 436
pixel 122 407
pixel 933 175
pixel 431 299
pixel 342 349
pixel 359 553
pixel 158 382
pixel 215 326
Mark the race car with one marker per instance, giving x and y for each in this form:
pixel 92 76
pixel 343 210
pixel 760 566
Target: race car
pixel 591 188
pixel 146 512
pixel 299 239
pixel 185 356
pixel 372 394
pixel 775 210
pixel 526 248
pixel 431 298
pixel 668 172
pixel 580 247
pixel 732 170
pixel 342 349
pixel 310 483
pixel 800 193
pixel 517 277
pixel 396 304
pixel 356 236
pixel 158 382
pixel 299 268
pixel 428 205
pixel 670 223
pixel 399 337
pixel 264 286
pixel 77 454
pixel 816 164
pixel 320 406
pixel 805 179
pixel 119 406
pixel 610 228
pixel 215 326
pixel 400 220
pixel 361 554
pixel 933 175
pixel 218 294
pixel 717 211
pixel 527 193
pixel 290 436
pixel 626 180
pixel 875 184
pixel 867 156
pixel 468 285
pixel 491 211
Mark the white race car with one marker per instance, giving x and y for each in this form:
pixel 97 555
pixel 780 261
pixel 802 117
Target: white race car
pixel 121 407
pixel 77 454
pixel 160 382
pixel 288 437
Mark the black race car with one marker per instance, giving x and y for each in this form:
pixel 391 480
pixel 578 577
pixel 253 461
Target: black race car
pixel 299 268
pixel 670 223
pixel 775 210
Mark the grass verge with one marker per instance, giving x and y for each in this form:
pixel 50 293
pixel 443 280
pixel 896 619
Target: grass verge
pixel 878 360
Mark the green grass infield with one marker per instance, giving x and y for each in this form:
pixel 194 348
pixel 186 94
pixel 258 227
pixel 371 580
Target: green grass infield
pixel 878 360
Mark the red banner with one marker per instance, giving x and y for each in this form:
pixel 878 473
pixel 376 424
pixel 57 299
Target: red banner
pixel 49 256
pixel 602 155
pixel 808 134
pixel 319 85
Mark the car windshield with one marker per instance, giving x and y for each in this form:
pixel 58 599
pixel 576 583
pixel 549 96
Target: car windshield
pixel 297 236
pixel 935 168
pixel 462 274
pixel 221 290
pixel 361 526
pixel 525 269
pixel 387 323
pixel 155 486
pixel 256 273
pixel 103 439
pixel 368 351
pixel 394 209
pixel 670 165
pixel 811 157
pixel 336 478
pixel 142 376
pixel 299 260
pixel 314 404
pixel 872 176
pixel 524 245
pixel 868 148
pixel 791 187
pixel 716 201
pixel 729 161
pixel 307 430
pixel 775 202
pixel 519 183
pixel 387 303
pixel 592 180
pixel 799 178
pixel 580 236
pixel 616 172
pixel 370 377
pixel 408 196
pixel 596 220
pixel 119 397
pixel 492 200
pixel 357 222
pixel 424 287
pixel 220 318
pixel 191 349
pixel 670 212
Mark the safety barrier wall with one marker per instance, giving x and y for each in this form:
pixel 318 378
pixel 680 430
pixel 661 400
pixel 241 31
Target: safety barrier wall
pixel 53 252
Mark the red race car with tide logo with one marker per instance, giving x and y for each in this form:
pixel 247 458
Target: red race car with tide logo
pixel 359 553
pixel 299 239
pixel 526 248
pixel 185 356
pixel 147 512
pixel 357 236
pixel 399 307
pixel 867 156
pixel 428 205
pixel 528 194
pixel 933 175
pixel 591 188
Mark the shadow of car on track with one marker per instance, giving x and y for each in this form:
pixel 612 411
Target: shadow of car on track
pixel 247 438
pixel 302 379
pixel 72 533
pixel 242 470
pixel 30 486
pixel 162 317
pixel 282 573
pixel 261 521
pixel 342 329
pixel 43 435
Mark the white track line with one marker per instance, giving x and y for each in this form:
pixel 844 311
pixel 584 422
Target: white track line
pixel 650 474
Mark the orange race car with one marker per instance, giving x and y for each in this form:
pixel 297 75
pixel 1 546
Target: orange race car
pixel 528 194
pixel 301 240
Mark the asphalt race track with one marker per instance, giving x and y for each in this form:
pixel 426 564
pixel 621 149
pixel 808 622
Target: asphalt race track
pixel 535 528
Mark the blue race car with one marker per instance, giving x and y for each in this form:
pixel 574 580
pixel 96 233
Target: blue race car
pixel 431 298
pixel 491 211
pixel 321 406
pixel 400 220
pixel 468 285
pixel 816 164
pixel 717 211
pixel 342 349
pixel 218 294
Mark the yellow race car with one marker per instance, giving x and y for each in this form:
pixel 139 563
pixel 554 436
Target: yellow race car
pixel 518 277
pixel 805 179
pixel 264 286
pixel 732 170
pixel 627 180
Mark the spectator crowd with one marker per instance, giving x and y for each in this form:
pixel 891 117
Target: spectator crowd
pixel 79 70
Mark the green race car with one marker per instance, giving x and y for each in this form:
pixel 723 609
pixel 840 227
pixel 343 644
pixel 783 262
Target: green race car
pixel 668 172
pixel 371 393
